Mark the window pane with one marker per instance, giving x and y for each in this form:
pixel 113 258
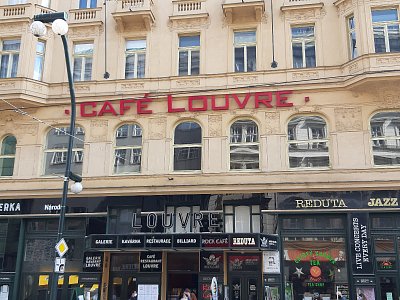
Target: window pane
pixel 38 69
pixel 9 145
pixel 251 59
pixel 242 219
pixel 297 49
pixel 310 54
pixel 141 65
pixel 308 155
pixel 394 38
pixel 244 157
pixel 245 37
pixel 256 221
pixel 6 166
pixel 83 49
pixel 379 39
pixel 187 158
pixel 244 131
pixel 195 63
pixel 189 41
pixel 187 133
pixel 130 66
pixel 127 160
pixel 384 245
pixel 239 59
pixel 77 68
pixel 228 224
pixel 14 66
pixel 383 222
pixel 129 135
pixel 135 45
pixel 353 45
pixel 11 45
pixel 4 66
pixel 384 15
pixel 88 69
pixel 183 63
pixel 303 32
pixel 307 128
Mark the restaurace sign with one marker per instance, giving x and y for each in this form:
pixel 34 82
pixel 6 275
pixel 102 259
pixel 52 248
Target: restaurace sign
pixel 196 103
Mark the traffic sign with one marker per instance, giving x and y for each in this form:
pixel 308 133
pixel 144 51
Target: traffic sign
pixel 62 247
pixel 59 265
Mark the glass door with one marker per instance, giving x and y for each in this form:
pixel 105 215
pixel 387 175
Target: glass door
pixel 245 287
pixel 123 287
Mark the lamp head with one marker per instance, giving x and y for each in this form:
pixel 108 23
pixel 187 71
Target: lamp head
pixel 38 29
pixel 60 27
pixel 76 188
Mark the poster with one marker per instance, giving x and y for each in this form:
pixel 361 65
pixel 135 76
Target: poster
pixel 272 293
pixel 147 292
pixel 271 262
pixel 365 293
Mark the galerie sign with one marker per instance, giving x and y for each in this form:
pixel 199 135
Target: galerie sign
pixel 360 244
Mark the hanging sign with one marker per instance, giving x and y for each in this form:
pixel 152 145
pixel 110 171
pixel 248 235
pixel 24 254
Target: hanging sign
pixel 61 247
pixel 360 244
pixel 150 262
pixel 93 262
pixel 211 262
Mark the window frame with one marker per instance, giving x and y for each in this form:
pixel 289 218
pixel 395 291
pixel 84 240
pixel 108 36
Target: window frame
pixel 385 25
pixel 352 47
pixel 136 54
pixel 11 54
pixel 244 45
pixel 7 156
pixel 189 50
pixel 83 62
pixel 303 41
pixel 252 215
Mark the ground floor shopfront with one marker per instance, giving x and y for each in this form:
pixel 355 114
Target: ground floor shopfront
pixel 292 246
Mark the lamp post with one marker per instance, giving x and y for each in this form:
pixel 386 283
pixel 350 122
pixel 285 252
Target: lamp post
pixel 60 27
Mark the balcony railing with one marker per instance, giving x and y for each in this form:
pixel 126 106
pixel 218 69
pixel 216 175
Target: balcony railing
pixel 189 7
pixel 134 12
pixel 89 15
pixel 21 11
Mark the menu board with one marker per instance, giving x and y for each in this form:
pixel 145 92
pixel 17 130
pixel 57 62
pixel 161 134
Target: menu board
pixel 148 292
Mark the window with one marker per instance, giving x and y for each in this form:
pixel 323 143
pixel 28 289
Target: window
pixel 189 55
pixel 303 47
pixel 385 135
pixel 308 143
pixel 182 219
pixel 385 23
pixel 12 2
pixel 245 51
pixel 9 58
pixel 187 147
pixel 242 218
pixel 351 33
pixel 83 59
pixel 56 151
pixel 135 59
pixel 244 145
pixel 39 60
pixel 7 156
pixel 46 3
pixel 128 149
pixel 87 3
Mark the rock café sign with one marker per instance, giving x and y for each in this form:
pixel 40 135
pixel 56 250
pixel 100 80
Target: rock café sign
pixel 256 100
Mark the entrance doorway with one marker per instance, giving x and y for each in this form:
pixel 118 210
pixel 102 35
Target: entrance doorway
pixel 245 287
pixel 388 288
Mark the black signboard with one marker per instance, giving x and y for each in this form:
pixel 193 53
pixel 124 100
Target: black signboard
pixel 6 278
pixel 14 207
pixel 104 241
pixel 244 241
pixel 211 262
pixel 365 281
pixel 215 241
pixel 244 262
pixel 93 262
pixel 150 261
pixel 158 241
pixel 360 244
pixel 131 241
pixel 186 241
pixel 268 242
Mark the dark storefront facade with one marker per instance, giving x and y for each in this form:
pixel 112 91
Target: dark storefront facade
pixel 244 246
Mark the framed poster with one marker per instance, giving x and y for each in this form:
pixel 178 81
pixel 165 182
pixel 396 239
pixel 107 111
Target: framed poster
pixel 271 262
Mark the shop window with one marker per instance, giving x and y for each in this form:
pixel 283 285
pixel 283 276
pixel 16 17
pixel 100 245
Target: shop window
pixel 120 220
pixel 128 149
pixel 383 222
pixel 385 136
pixel 315 268
pixel 56 151
pixel 386 263
pixel 315 222
pixel 7 155
pixel 9 53
pixel 187 262
pixel 351 35
pixel 189 55
pixel 303 47
pixel 244 145
pixel 384 245
pixel 125 262
pixel 83 61
pixel 245 51
pixel 187 147
pixel 308 142
pixel 183 219
pixel 242 218
pixel 39 60
pixel 135 59
pixel 385 24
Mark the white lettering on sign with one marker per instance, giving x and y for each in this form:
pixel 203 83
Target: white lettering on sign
pixel 131 241
pixel 48 207
pixel 383 202
pixel 104 242
pixel 320 203
pixel 10 207
pixel 244 242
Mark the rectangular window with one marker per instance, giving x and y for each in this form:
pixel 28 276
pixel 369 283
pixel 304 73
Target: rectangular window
pixel 13 2
pixel 189 55
pixel 9 58
pixel 351 33
pixel 303 47
pixel 87 3
pixel 46 3
pixel 135 59
pixel 39 60
pixel 83 60
pixel 242 219
pixel 245 51
pixel 385 23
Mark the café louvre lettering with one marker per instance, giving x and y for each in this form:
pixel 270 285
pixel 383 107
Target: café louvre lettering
pixel 196 103
pixel 360 244
pixel 150 261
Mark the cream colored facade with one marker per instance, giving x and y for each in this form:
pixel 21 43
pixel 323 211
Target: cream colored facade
pixel 345 92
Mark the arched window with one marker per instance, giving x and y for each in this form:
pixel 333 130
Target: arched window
pixel 187 147
pixel 385 135
pixel 244 145
pixel 308 142
pixel 56 151
pixel 7 155
pixel 128 149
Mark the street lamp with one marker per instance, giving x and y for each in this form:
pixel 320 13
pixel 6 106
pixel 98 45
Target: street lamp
pixel 60 27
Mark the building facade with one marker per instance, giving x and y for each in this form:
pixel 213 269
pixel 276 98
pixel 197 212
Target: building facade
pixel 241 149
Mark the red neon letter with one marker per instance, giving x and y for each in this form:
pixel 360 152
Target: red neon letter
pixel 170 108
pixel 84 114
pixel 107 108
pixel 281 101
pixel 203 100
pixel 266 101
pixel 215 107
pixel 122 107
pixel 239 103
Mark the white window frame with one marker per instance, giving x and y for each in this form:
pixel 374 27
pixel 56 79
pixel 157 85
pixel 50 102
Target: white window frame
pixel 189 51
pixel 350 32
pixel 303 41
pixel 385 27
pixel 40 55
pixel 135 156
pixel 136 54
pixel 243 45
pixel 12 54
pixel 83 63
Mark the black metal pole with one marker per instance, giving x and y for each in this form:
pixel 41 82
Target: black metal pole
pixel 54 281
